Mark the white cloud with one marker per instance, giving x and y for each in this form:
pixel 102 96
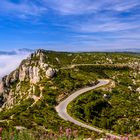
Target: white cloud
pixel 108 17
pixel 103 15
pixel 73 7
pixel 23 9
pixel 8 63
pixel 27 8
pixel 36 8
pixel 78 7
pixel 106 27
pixel 125 5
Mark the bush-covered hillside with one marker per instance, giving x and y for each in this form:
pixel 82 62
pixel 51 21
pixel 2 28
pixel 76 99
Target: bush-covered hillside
pixel 115 109
pixel 34 100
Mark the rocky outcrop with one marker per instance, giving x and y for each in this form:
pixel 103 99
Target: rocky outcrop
pixel 34 74
pixel 15 76
pixel 134 65
pixel 23 72
pixel 1 87
pixel 138 90
pixel 50 72
pixel 32 69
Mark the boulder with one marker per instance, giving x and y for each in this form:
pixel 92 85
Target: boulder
pixel 138 89
pixel 50 72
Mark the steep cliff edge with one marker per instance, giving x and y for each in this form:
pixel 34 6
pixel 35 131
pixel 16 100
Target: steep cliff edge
pixel 29 73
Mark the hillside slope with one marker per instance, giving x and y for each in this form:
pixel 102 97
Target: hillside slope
pixel 29 94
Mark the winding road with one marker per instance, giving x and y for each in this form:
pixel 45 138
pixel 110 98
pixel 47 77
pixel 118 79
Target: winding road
pixel 62 108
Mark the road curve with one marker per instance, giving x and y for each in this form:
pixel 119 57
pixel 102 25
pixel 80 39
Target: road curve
pixel 62 108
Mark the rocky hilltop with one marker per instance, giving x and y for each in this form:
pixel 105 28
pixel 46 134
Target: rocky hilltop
pixel 31 71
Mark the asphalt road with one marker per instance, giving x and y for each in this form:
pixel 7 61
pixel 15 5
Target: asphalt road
pixel 62 108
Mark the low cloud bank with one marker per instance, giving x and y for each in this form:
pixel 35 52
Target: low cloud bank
pixel 8 63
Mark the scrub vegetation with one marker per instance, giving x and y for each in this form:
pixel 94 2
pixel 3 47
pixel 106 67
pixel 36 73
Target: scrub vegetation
pixel 115 107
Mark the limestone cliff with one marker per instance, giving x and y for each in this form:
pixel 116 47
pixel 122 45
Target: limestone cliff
pixel 30 71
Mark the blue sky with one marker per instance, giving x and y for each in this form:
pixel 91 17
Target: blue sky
pixel 69 25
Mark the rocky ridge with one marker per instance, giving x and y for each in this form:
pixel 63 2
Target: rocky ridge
pixel 30 71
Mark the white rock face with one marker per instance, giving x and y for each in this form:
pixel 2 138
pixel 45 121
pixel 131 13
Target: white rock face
pixel 45 66
pixel 138 89
pixel 15 76
pixel 50 72
pixel 34 74
pixel 10 101
pixel 23 72
pixel 130 88
pixel 42 57
pixel 134 82
pixel 1 87
pixel 57 59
